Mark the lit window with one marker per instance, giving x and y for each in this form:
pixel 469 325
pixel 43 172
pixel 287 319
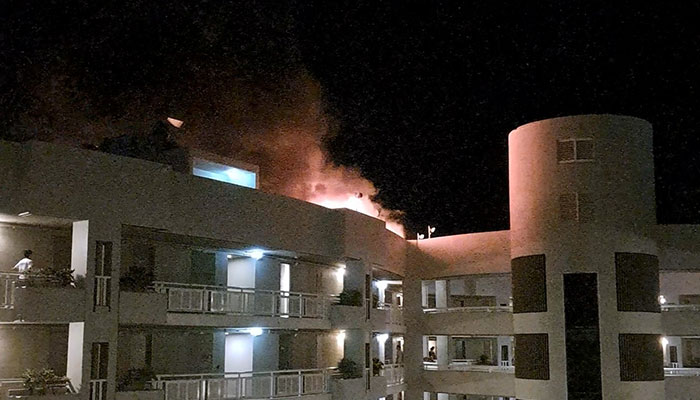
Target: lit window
pixel 573 150
pixel 224 173
pixel 576 207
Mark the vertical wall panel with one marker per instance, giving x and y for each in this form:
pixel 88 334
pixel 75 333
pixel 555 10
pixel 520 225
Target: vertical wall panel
pixel 529 284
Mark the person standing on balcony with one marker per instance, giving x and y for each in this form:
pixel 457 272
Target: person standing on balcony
pixel 24 265
pixel 399 353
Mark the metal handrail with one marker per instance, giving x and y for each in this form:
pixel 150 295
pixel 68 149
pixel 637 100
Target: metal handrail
pixel 680 307
pixel 439 310
pixel 240 385
pixel 682 371
pixel 230 288
pixel 195 298
pixel 394 374
pixel 468 367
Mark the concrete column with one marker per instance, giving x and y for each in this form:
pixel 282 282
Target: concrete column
pixel 74 364
pixel 381 291
pixel 354 278
pixel 443 350
pixel 101 322
pixel 218 358
pixel 267 274
pixel 221 271
pixel 441 294
pixel 425 288
pixel 266 353
pixel 381 347
pixel 354 346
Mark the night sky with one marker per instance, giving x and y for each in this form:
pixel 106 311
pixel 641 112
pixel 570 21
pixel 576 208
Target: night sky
pixel 419 99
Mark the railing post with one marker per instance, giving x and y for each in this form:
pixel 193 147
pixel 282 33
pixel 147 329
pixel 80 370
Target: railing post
pixel 300 389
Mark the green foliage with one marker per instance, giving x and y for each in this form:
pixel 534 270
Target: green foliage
pixel 79 282
pixel 483 360
pixel 377 366
pixel 42 382
pixel 50 277
pixel 349 369
pixel 136 279
pixel 350 298
pixel 135 379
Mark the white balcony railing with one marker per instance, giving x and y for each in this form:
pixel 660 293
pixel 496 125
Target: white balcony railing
pixel 682 371
pixel 393 373
pixel 680 307
pixel 102 291
pixel 467 365
pixel 244 385
pixel 439 310
pixel 8 283
pixel 98 389
pixel 242 301
pixel 395 312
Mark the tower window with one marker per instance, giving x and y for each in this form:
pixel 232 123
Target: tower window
pixel 576 207
pixel 574 150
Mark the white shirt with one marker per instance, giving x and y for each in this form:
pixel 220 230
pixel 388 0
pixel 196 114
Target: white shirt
pixel 24 265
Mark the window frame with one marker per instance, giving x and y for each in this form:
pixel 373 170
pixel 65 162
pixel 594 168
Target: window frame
pixel 576 159
pixel 577 208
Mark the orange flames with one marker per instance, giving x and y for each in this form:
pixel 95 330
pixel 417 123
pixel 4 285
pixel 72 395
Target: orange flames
pixel 357 201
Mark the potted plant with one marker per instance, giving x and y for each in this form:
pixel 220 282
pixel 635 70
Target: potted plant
pixel 136 279
pixel 377 367
pixel 50 277
pixel 348 369
pixel 483 360
pixel 136 379
pixel 43 382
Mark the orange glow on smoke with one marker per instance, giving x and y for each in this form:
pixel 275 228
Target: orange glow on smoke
pixel 360 203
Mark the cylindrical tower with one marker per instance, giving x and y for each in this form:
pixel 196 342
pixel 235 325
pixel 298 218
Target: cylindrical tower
pixel 585 273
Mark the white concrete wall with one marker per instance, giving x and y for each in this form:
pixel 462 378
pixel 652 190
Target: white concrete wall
pixel 474 253
pixel 241 272
pixel 74 361
pixel 35 347
pixel 239 353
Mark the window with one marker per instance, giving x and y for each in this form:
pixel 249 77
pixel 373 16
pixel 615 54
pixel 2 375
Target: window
pixel 637 280
pixel 529 284
pixel 641 357
pixel 103 275
pixel 582 336
pixel 573 150
pixel 576 207
pixel 532 356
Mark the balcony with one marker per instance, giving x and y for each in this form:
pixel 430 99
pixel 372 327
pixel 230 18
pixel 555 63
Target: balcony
pixel 680 382
pixel 468 365
pixel 461 376
pixel 394 374
pixel 477 320
pixel 308 383
pixel 680 319
pixel 388 317
pixel 205 305
pixel 40 301
pixel 682 372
